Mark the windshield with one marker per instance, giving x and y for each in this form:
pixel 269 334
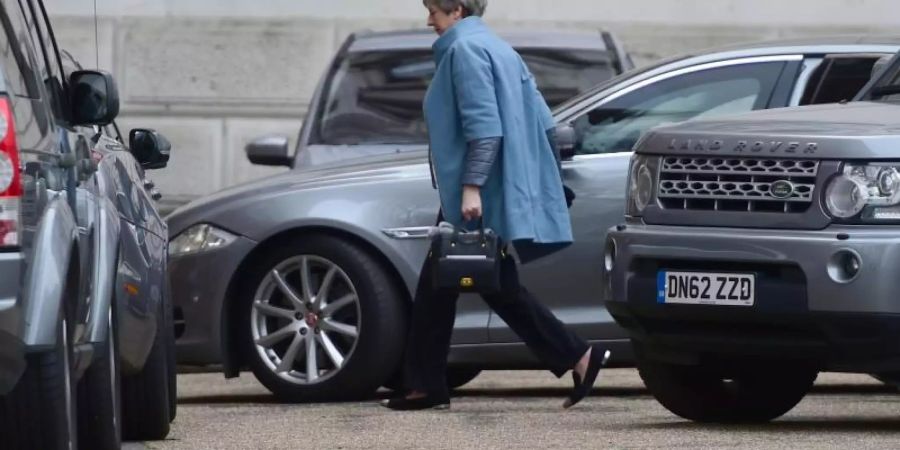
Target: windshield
pixel 376 97
pixel 887 86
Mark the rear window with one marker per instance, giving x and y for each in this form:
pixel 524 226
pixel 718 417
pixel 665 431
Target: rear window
pixel 376 97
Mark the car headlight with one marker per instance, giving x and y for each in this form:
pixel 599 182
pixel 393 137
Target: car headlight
pixel 199 238
pixel 867 192
pixel 640 185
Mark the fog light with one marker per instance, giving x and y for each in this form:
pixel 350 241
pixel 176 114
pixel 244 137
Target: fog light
pixel 844 266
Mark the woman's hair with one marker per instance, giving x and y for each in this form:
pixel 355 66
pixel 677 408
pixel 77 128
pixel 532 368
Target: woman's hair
pixel 470 7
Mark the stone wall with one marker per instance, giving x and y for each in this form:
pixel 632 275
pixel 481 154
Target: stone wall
pixel 213 74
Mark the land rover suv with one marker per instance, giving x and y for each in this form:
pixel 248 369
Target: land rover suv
pixel 759 250
pixel 86 336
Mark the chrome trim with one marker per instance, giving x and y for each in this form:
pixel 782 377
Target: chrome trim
pixel 407 233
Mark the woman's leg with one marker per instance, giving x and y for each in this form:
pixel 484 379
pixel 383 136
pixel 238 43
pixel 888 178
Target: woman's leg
pixel 428 343
pixel 557 346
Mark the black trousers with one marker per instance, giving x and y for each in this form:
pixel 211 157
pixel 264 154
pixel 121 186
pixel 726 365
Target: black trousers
pixel 434 313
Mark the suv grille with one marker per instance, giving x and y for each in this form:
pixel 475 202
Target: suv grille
pixel 737 184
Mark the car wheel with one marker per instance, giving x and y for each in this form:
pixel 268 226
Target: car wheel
pixel 171 364
pixel 321 321
pixel 702 394
pixel 145 395
pixel 40 412
pixel 100 399
pixel 459 377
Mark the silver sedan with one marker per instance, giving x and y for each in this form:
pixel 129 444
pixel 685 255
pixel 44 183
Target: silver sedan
pixel 307 277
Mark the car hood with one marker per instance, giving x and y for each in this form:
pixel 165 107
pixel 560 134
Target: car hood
pixel 859 130
pixel 365 169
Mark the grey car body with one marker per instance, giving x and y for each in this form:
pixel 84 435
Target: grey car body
pixel 84 261
pixel 824 284
pixel 384 204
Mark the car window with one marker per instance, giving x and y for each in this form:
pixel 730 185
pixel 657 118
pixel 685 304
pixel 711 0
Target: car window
pixel 376 97
pixel 618 124
pixel 838 78
pixel 17 55
pixel 51 71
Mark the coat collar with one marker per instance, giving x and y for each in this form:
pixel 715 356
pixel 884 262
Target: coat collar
pixel 469 25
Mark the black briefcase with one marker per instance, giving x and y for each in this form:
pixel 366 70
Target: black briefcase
pixel 465 261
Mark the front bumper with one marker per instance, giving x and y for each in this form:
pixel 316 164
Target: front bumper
pixel 801 310
pixel 200 285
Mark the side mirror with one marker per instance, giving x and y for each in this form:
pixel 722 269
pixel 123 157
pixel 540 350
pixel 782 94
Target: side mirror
pixel 94 98
pixel 269 151
pixel 566 140
pixel 150 148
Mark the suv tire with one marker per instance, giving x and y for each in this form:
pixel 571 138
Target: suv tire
pixel 378 317
pixel 701 394
pixel 40 413
pixel 145 395
pixel 100 396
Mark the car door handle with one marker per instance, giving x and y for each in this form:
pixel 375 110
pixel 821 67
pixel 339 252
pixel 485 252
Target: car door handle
pixel 148 185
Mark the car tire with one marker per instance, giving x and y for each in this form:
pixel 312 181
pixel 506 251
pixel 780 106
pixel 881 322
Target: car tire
pixel 40 413
pixel 145 395
pixel 100 397
pixel 361 299
pixel 702 394
pixel 171 365
pixel 458 377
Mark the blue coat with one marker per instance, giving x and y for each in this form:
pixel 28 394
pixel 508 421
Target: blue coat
pixel 483 89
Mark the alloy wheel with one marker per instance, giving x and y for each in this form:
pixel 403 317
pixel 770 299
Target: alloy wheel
pixel 305 320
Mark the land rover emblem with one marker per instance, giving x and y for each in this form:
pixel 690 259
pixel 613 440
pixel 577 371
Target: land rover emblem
pixel 782 189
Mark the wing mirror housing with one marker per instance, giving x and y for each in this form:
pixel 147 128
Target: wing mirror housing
pixel 566 140
pixel 150 148
pixel 94 98
pixel 269 151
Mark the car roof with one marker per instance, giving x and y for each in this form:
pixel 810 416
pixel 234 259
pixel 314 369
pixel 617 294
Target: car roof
pixel 424 38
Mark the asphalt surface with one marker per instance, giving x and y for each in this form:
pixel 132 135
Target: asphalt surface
pixel 522 410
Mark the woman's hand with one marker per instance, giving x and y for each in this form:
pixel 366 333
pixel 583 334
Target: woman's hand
pixel 471 202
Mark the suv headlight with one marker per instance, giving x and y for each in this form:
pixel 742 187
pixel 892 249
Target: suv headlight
pixel 867 192
pixel 199 238
pixel 640 185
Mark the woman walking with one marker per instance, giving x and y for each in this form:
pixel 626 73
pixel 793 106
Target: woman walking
pixel 493 158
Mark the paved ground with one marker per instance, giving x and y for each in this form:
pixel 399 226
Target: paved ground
pixel 522 410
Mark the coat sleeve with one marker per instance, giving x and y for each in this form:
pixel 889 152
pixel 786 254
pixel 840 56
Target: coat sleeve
pixel 480 158
pixel 476 98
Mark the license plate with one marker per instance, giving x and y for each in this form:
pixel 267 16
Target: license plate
pixel 702 288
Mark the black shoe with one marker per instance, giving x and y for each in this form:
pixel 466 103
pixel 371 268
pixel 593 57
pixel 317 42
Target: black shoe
pixel 583 387
pixel 417 404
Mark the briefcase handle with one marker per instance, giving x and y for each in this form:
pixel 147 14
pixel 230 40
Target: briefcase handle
pixel 455 237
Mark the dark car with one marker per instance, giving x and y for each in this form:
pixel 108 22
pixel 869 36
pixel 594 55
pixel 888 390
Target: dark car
pixel 333 249
pixel 86 349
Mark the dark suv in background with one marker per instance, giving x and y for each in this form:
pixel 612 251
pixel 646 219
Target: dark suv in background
pixel 86 343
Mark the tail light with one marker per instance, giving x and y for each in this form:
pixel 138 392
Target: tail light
pixel 10 177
